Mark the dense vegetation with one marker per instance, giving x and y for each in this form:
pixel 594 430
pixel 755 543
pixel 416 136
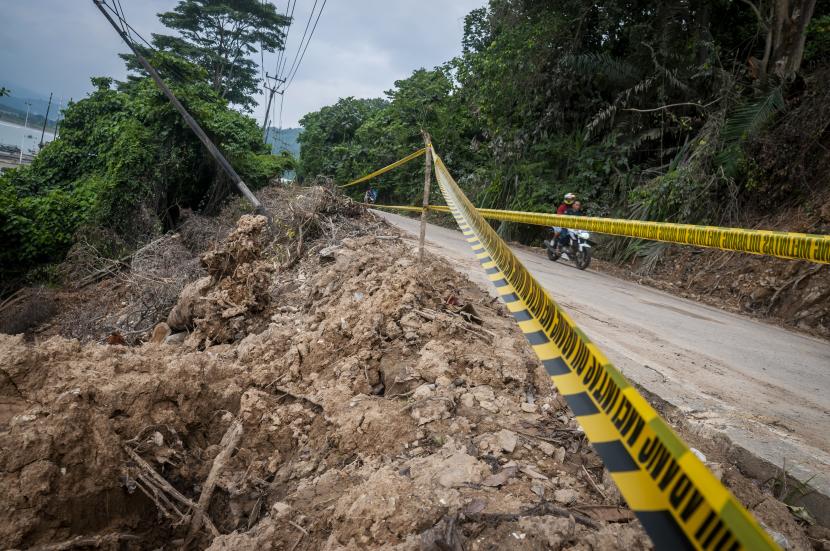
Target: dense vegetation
pixel 126 164
pixel 645 109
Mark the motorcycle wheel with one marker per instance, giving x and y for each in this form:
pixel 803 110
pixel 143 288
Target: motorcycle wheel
pixel 552 256
pixel 583 259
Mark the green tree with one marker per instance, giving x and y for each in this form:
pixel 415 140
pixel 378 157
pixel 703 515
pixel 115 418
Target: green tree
pixel 327 143
pixel 643 108
pixel 126 163
pixel 220 36
pixel 4 91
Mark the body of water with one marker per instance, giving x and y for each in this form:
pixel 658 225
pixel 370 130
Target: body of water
pixel 14 134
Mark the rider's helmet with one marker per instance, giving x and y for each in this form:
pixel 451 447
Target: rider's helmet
pixel 569 198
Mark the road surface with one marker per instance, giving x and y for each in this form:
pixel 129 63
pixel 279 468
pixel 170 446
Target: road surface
pixel 766 388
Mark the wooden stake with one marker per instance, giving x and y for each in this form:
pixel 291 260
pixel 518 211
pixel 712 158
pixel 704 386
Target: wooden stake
pixel 427 182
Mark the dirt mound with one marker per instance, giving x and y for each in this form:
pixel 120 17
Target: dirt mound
pixel 224 306
pixel 382 404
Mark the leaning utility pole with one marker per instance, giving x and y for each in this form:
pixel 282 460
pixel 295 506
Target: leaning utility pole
pixel 191 122
pixel 271 91
pixel 45 120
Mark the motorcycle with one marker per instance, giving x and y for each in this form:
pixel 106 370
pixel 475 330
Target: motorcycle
pixel 578 250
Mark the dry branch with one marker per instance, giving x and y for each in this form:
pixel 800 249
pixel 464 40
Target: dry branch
pixel 543 509
pixel 228 444
pixel 160 488
pixel 86 541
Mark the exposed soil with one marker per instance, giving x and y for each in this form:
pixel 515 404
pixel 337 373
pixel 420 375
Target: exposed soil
pixel 381 404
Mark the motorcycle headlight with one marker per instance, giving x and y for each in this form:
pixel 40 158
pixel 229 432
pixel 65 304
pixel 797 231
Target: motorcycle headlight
pixel 584 235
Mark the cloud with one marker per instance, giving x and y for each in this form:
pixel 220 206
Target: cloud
pixel 359 49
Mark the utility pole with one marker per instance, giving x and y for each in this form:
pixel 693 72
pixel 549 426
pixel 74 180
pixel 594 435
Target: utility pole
pixel 188 119
pixel 45 121
pixel 427 181
pixel 58 120
pixel 25 127
pixel 268 131
pixel 271 91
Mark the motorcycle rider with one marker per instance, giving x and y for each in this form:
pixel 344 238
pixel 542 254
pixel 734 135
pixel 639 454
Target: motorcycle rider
pixel 566 205
pixel 574 210
pixel 370 196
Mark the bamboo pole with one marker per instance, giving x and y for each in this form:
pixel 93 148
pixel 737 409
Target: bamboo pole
pixel 427 182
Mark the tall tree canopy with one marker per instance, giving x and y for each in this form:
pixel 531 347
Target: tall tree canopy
pixel 643 108
pixel 221 36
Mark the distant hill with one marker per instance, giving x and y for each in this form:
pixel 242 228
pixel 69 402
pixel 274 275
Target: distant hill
pixel 285 140
pixel 16 102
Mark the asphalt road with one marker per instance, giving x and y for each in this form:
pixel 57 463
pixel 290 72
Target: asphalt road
pixel 765 387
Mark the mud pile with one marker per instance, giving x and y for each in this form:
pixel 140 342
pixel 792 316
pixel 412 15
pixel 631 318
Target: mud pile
pixel 224 306
pixel 344 398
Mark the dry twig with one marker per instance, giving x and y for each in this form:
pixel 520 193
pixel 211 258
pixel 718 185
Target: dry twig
pixel 593 484
pixel 161 491
pixel 228 444
pixel 86 541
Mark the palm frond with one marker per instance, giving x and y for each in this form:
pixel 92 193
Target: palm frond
pixel 749 118
pixel 745 121
pixel 602 118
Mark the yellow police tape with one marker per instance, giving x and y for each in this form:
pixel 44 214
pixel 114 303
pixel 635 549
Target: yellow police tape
pixel 793 246
pixel 679 502
pixel 387 168
pixel 397 207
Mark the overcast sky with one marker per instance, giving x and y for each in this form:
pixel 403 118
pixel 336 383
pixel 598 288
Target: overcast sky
pixel 359 49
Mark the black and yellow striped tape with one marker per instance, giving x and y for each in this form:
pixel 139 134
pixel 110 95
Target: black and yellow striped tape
pixel 679 502
pixel 794 246
pixel 789 245
pixel 387 168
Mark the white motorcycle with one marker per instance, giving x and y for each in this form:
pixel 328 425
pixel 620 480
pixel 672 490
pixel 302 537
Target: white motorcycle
pixel 578 251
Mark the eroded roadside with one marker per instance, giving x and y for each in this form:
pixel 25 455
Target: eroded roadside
pixel 325 391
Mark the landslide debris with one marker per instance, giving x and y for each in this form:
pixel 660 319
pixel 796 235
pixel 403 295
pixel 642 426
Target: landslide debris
pixel 225 305
pixel 315 390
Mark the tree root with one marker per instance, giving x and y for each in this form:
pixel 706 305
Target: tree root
pixel 790 283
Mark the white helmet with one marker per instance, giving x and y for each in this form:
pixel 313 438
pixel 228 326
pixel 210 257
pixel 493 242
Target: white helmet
pixel 569 198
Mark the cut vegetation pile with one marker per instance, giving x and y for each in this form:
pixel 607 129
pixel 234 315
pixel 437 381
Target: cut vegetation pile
pixel 318 390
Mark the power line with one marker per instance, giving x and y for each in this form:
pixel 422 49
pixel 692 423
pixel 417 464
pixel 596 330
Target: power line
pixel 123 21
pixel 279 128
pixel 290 80
pixel 126 28
pixel 281 55
pixel 305 32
